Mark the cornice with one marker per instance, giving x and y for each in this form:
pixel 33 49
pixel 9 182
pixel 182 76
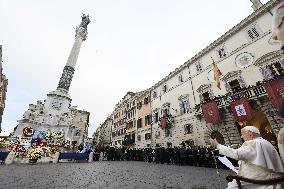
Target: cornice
pixel 203 87
pixel 267 58
pixel 230 75
pixel 185 96
pixel 244 23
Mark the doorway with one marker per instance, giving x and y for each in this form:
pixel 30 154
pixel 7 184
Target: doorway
pixel 261 122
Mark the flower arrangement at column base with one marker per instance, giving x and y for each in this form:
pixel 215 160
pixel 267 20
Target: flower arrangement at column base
pixel 34 154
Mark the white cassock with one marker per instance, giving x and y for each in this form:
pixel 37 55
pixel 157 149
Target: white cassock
pixel 259 160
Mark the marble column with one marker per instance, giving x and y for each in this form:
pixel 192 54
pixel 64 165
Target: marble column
pixel 68 71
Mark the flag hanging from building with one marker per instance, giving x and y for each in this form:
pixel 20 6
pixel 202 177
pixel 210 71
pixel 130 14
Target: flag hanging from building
pixel 274 88
pixel 241 110
pixel 211 112
pixel 217 73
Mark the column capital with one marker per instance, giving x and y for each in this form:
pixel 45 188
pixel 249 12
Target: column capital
pixel 81 33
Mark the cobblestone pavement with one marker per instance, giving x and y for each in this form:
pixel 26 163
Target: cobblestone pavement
pixel 107 175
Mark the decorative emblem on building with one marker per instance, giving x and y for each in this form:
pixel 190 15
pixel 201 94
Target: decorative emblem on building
pixel 244 60
pixel 28 131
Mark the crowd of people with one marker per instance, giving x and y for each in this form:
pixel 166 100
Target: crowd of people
pixel 180 155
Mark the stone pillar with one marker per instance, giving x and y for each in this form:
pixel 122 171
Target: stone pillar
pixel 55 158
pixel 91 157
pixel 271 114
pixel 10 158
pixel 68 71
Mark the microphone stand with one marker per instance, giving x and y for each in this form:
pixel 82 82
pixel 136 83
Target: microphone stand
pixel 217 168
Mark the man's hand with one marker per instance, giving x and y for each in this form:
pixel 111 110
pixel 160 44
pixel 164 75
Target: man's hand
pixel 213 142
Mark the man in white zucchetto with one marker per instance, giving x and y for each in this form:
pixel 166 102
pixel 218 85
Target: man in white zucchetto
pixel 259 160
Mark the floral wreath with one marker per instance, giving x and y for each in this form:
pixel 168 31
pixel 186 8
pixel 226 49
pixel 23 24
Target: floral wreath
pixel 28 131
pixel 51 135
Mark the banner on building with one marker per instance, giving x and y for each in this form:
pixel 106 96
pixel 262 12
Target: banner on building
pixel 163 122
pixel 211 112
pixel 241 110
pixel 274 89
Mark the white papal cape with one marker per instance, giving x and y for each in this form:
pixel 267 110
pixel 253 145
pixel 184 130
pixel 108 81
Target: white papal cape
pixel 259 160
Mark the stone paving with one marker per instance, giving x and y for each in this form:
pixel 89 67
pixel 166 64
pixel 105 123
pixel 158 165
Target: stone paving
pixel 110 175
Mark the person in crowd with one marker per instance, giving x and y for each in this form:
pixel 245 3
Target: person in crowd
pixel 258 158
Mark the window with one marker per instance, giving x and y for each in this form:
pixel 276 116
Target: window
pixel 157 134
pixel 184 107
pixel 276 69
pixel 156 117
pixel 147 136
pixel 235 85
pixel 188 129
pixel 222 52
pixel 139 105
pixel 168 132
pixel 164 88
pixel 165 112
pixel 198 67
pixel 254 33
pixel 139 123
pixel 154 94
pixel 146 100
pixel 138 137
pixel 180 79
pixel 77 132
pixel 147 120
pixel 206 96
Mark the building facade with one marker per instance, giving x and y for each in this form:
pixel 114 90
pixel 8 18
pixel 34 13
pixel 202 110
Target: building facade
pixel 144 120
pixel 247 61
pixel 196 101
pixel 3 89
pixel 120 121
pixel 102 136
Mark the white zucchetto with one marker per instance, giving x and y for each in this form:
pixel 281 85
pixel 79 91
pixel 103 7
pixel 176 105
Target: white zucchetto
pixel 252 129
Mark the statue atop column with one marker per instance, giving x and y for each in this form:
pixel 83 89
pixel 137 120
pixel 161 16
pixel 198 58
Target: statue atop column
pixel 85 21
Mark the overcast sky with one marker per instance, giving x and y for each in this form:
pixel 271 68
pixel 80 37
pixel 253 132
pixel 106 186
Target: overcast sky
pixel 131 45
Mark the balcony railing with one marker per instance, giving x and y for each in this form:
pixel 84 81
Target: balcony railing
pixel 251 92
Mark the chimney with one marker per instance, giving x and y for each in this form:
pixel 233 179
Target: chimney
pixel 256 4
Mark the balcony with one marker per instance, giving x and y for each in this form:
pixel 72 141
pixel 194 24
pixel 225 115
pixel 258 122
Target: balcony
pixel 251 92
